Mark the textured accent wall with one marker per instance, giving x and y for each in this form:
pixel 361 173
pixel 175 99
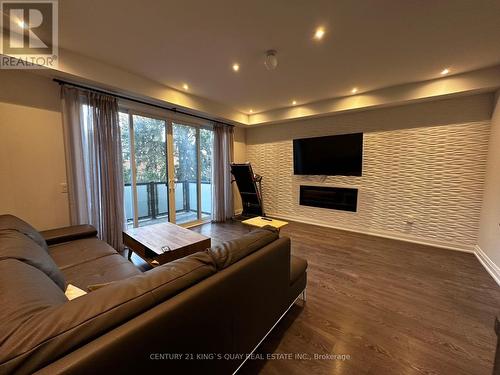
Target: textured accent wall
pixel 432 176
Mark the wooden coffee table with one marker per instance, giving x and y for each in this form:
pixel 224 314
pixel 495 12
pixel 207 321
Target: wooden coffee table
pixel 162 243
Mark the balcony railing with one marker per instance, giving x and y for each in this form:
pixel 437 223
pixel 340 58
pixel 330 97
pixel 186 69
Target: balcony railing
pixel 152 199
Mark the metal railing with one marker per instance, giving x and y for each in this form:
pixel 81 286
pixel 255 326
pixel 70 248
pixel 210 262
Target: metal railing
pixel 152 199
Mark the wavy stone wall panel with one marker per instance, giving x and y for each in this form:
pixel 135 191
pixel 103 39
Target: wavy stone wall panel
pixel 433 175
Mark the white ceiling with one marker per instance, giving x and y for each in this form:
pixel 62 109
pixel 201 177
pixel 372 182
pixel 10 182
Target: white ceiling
pixel 368 44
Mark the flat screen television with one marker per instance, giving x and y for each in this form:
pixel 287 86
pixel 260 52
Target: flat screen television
pixel 336 155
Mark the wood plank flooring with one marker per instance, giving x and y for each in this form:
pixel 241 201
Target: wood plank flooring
pixel 392 306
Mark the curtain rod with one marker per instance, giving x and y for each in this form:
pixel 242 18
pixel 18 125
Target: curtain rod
pixel 102 91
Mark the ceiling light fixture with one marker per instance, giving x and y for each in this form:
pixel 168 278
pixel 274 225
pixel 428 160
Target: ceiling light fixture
pixel 445 71
pixel 251 111
pixel 294 102
pixel 236 67
pixel 271 61
pixel 319 33
pixel 354 90
pixel 185 86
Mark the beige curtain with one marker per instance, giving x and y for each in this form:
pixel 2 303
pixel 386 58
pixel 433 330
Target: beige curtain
pixel 94 162
pixel 222 197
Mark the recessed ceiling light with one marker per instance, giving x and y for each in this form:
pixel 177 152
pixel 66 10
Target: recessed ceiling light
pixel 236 67
pixel 354 90
pixel 445 71
pixel 294 102
pixel 319 33
pixel 251 111
pixel 185 86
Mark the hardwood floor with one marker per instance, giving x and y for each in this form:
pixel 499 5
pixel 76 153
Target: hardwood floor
pixel 392 306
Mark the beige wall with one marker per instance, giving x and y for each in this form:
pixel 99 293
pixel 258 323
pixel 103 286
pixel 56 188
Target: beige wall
pixel 423 163
pixel 240 156
pixel 32 163
pixel 489 233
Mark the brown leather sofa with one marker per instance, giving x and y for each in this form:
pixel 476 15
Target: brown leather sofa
pixel 201 313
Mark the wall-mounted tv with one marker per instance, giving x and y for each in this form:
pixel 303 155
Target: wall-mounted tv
pixel 332 155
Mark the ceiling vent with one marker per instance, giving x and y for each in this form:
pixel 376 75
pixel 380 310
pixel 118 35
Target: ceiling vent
pixel 271 61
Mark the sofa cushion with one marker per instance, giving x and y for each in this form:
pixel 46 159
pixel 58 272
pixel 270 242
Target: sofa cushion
pixel 65 234
pixel 13 222
pixel 105 269
pixel 15 245
pixel 72 253
pixel 298 267
pixel 24 291
pixel 57 330
pixel 67 327
pixel 230 252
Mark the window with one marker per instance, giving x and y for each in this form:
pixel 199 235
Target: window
pixel 167 169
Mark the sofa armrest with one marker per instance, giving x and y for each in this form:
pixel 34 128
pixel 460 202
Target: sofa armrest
pixel 65 234
pixel 298 267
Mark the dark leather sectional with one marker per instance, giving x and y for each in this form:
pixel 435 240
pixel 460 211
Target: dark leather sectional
pixel 198 314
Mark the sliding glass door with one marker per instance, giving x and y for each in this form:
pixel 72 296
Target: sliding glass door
pixel 192 172
pixel 185 172
pixel 144 147
pixel 167 170
pixel 150 147
pixel 206 154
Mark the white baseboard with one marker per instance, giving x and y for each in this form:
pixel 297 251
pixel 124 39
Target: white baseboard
pixel 487 263
pixel 390 235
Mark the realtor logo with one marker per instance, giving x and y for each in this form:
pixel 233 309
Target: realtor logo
pixel 29 34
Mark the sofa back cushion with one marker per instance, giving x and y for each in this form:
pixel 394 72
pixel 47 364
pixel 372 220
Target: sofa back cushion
pixel 24 291
pixel 16 245
pixel 13 222
pixel 57 330
pixel 230 252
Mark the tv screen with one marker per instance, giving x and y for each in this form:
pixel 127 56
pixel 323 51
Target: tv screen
pixel 332 155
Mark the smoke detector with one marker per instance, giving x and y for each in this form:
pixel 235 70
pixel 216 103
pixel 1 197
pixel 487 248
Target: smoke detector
pixel 271 61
